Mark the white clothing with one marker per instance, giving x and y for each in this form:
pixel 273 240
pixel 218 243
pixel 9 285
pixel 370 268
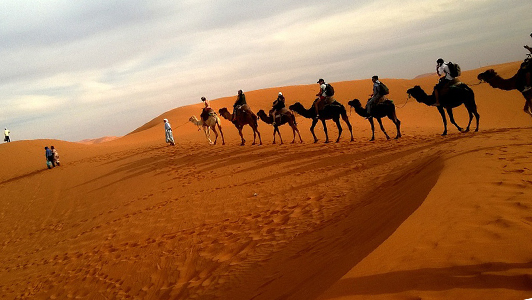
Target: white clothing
pixel 6 132
pixel 444 69
pixel 323 86
pixel 168 132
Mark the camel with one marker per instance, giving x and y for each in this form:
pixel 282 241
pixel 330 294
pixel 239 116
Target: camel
pixel 333 111
pixel 517 82
pixel 384 109
pixel 211 123
pixel 456 96
pixel 286 117
pixel 245 117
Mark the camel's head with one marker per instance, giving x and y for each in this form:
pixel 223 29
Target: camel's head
pixel 192 119
pixel 355 103
pixel 223 111
pixel 415 92
pixel 296 107
pixel 261 113
pixel 487 75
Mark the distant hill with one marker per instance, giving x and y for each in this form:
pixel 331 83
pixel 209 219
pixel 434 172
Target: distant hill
pixel 98 140
pixel 424 75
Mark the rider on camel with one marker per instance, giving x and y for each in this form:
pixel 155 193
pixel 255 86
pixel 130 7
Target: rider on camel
pixel 277 107
pixel 207 110
pixel 322 96
pixel 240 104
pixel 446 80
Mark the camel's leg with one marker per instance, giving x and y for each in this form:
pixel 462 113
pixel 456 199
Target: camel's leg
pixel 314 122
pixel 470 113
pixel 477 117
pixel 346 120
pixel 442 113
pixel 528 107
pixel 255 133
pixel 382 128
pixel 221 133
pixel 279 133
pixel 397 123
pixel 325 129
pixel 258 133
pixel 207 132
pixel 215 134
pixel 370 119
pixel 337 120
pixel 241 136
pixel 451 118
pixel 293 124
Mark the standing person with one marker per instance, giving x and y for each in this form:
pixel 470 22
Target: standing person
pixel 56 156
pixel 379 90
pixel 168 131
pixel 240 103
pixel 442 69
pixel 324 95
pixel 277 106
pixel 6 135
pixel 49 157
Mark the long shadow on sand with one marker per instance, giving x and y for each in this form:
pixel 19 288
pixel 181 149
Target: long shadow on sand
pixel 326 254
pixel 436 279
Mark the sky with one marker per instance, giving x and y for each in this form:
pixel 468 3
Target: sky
pixel 74 70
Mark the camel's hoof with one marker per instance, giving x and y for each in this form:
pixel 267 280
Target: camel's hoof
pixel 476 130
pixel 371 140
pixel 444 134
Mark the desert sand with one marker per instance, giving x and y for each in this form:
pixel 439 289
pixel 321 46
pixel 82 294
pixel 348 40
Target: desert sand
pixel 421 217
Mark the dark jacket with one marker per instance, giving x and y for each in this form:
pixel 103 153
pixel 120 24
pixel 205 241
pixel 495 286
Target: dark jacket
pixel 240 100
pixel 279 103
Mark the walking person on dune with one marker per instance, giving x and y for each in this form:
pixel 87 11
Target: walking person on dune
pixel 49 157
pixel 56 156
pixel 168 131
pixel 6 135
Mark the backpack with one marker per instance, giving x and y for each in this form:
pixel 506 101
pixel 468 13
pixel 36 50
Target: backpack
pixel 454 69
pixel 329 90
pixel 384 89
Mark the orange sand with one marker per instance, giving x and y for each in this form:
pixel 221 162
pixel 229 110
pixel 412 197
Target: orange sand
pixel 422 217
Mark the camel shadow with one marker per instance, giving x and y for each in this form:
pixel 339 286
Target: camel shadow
pixel 479 276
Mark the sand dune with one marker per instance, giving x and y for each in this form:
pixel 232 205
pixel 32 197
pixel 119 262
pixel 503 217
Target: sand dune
pixel 422 217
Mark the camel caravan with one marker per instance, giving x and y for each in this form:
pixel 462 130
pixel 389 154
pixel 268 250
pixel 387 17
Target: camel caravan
pixel 447 94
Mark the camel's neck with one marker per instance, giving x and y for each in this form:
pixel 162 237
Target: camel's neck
pixel 267 119
pixel 426 99
pixel 504 84
pixel 196 122
pixel 307 113
pixel 361 111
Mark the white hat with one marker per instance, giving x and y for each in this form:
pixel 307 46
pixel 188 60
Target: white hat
pixel 166 120
pixel 280 94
